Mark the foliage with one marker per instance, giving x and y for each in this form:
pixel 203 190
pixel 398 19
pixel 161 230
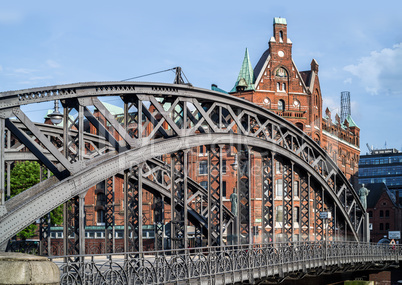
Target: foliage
pixel 24 175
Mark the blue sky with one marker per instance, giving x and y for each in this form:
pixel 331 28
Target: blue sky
pixel 358 48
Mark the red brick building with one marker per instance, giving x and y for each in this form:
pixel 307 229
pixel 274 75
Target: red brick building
pixel 385 212
pixel 278 85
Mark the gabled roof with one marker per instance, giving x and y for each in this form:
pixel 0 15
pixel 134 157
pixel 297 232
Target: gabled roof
pixel 261 63
pixel 246 75
pixel 376 190
pixel 351 122
pixel 306 77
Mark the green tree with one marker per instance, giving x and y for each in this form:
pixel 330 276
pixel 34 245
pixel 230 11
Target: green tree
pixel 24 175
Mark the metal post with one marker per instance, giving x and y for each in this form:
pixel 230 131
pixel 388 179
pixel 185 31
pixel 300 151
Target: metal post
pixel 2 165
pixel 81 225
pixel 9 179
pixel 139 177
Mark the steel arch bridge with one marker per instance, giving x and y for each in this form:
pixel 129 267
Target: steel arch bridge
pixel 148 146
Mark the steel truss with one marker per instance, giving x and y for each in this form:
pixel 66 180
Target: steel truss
pixel 158 119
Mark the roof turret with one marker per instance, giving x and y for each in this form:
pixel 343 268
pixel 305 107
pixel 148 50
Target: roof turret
pixel 246 79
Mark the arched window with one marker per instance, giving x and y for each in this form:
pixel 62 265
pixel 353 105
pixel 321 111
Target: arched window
pixel 381 226
pixel 278 87
pixel 387 226
pixel 299 125
pixel 381 213
pixel 386 213
pixel 283 86
pixel 281 37
pixel 281 105
pixel 281 72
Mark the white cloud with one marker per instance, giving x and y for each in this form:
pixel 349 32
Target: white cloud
pixel 381 71
pixel 348 80
pixel 24 70
pixel 52 64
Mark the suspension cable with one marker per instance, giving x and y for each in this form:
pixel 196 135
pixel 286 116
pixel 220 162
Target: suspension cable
pixel 148 74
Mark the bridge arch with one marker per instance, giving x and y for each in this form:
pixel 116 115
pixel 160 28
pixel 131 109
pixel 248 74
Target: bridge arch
pixel 209 118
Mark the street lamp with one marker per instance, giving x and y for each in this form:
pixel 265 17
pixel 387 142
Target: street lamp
pixel 56 117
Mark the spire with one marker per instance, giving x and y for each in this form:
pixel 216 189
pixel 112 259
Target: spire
pixel 245 80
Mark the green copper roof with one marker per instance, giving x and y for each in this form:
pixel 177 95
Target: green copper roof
pixel 214 87
pixel 246 75
pixel 279 20
pixel 351 122
pixel 114 110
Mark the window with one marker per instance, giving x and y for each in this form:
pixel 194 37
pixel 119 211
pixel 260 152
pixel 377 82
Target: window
pixel 387 226
pixel 381 214
pixel 283 86
pixel 278 167
pixel 278 87
pixel 203 169
pixel 224 189
pixel 279 187
pixel 296 188
pixel 100 217
pixel 224 166
pixel 267 102
pixel 279 214
pixel 370 214
pixel 204 184
pixel 387 213
pixel 281 105
pixel 296 214
pixel 281 37
pixel 381 226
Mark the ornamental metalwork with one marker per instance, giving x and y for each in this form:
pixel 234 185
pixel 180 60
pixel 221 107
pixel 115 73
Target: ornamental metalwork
pixel 252 263
pixel 150 143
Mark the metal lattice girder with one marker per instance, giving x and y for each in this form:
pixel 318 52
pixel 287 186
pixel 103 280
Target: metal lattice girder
pixel 305 207
pixel 267 197
pixel 132 207
pixel 44 235
pixel 215 211
pixel 109 215
pixel 179 197
pixel 71 227
pixel 214 113
pixel 318 208
pixel 159 220
pixel 287 228
pixel 244 215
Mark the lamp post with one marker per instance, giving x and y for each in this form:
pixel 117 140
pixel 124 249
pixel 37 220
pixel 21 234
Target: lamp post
pixel 56 117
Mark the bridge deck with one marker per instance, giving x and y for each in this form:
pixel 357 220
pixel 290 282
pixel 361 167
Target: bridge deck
pixel 226 265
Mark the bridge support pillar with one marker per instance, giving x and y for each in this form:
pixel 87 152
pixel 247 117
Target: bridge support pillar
pixel 18 268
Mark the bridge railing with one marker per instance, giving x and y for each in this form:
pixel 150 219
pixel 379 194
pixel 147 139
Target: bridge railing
pixel 228 264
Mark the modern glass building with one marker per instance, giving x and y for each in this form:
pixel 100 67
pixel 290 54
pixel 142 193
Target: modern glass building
pixel 382 165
